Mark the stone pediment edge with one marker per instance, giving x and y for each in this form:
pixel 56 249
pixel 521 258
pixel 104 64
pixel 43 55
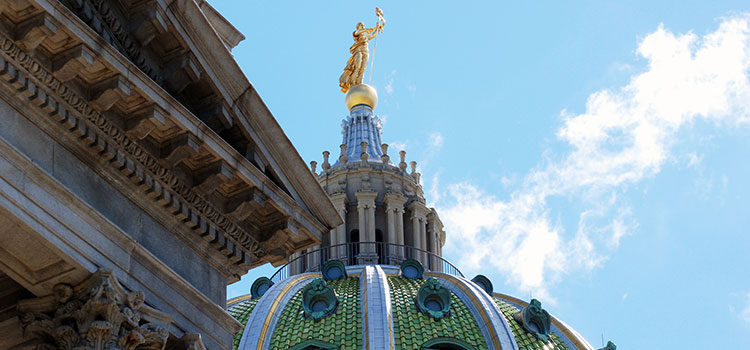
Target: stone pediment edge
pixel 255 114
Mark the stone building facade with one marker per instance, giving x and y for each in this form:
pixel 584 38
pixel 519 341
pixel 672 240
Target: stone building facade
pixel 140 173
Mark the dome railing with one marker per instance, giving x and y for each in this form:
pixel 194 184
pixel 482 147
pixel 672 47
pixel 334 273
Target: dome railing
pixel 361 253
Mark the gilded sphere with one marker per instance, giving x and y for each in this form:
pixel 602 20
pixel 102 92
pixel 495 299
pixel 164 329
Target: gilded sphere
pixel 361 94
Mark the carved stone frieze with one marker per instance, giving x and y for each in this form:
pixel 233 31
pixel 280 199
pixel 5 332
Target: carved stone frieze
pixel 65 106
pixel 97 314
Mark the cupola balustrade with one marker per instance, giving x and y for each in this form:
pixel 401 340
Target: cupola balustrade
pixel 361 253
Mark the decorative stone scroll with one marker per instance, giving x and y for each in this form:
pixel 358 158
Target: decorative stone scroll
pixel 535 320
pixel 98 314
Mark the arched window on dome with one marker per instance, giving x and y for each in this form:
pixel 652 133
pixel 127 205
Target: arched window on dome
pixel 314 345
pixel 446 344
pixel 353 248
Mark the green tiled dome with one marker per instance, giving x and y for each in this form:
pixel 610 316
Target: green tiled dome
pixel 376 306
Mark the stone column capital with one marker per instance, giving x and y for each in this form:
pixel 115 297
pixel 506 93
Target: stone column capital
pixel 365 199
pixel 339 201
pixel 394 201
pixel 128 321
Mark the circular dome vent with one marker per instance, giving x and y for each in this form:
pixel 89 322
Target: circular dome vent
pixel 333 270
pixel 483 282
pixel 412 269
pixel 260 287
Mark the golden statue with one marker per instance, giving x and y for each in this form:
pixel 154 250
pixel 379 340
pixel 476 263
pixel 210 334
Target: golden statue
pixel 355 67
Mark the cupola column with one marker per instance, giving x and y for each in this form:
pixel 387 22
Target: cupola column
pixel 366 216
pixel 394 207
pixel 419 227
pixel 338 235
pixel 435 230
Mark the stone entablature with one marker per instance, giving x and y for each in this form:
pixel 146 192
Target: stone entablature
pixel 243 205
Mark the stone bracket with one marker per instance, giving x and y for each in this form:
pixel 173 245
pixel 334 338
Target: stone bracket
pixel 148 23
pixel 69 64
pixel 31 32
pixel 179 148
pixel 106 93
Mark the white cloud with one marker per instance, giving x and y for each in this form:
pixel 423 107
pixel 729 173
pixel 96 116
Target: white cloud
pixel 694 160
pixel 395 147
pixel 436 139
pixel 389 85
pixel 745 313
pixel 624 136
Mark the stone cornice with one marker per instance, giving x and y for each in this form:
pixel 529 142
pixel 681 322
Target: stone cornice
pixel 45 91
pixel 169 119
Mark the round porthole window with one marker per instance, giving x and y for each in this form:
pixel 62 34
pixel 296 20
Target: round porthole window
pixel 334 273
pixel 412 269
pixel 260 287
pixel 333 270
pixel 319 305
pixel 410 272
pixel 433 305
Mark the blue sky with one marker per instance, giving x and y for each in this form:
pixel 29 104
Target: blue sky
pixel 590 154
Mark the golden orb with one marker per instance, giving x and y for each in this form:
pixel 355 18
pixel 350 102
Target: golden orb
pixel 361 94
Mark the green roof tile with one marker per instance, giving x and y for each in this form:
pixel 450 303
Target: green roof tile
pixel 412 328
pixel 525 340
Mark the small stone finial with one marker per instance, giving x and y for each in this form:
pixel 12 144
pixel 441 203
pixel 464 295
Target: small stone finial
pixel 402 165
pixel 364 156
pixel 417 176
pixel 325 164
pixel 313 166
pixel 413 167
pixel 343 158
pixel 385 158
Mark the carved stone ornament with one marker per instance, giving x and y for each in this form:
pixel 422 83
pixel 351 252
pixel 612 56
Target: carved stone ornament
pixel 535 320
pixel 98 314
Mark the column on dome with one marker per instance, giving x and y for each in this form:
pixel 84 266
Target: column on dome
pixel 435 229
pixel 338 235
pixel 313 259
pixel 366 216
pixel 394 208
pixel 419 228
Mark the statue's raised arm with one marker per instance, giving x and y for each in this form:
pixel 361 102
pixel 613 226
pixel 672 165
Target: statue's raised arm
pixel 355 67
